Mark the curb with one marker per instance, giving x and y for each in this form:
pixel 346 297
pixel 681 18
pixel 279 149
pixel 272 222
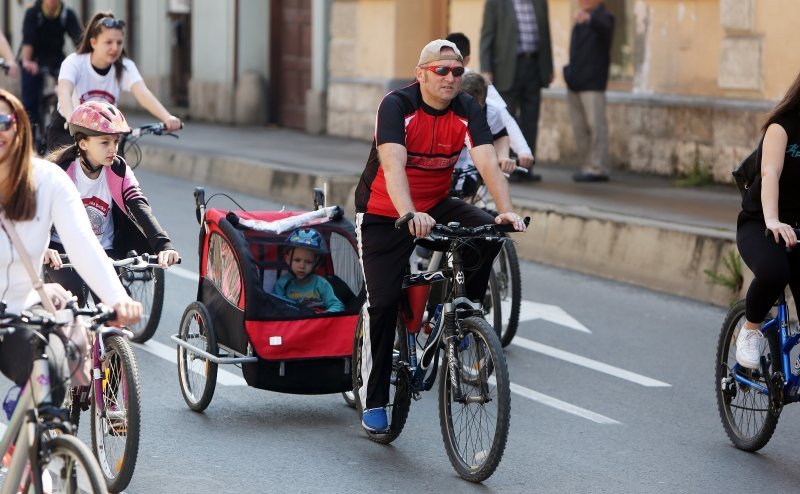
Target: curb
pixel 658 255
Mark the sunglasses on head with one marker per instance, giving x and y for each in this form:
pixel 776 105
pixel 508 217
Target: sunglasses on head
pixel 7 121
pixel 443 70
pixel 111 23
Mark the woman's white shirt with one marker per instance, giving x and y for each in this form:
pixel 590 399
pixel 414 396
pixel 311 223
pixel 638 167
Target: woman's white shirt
pixel 89 85
pixel 57 204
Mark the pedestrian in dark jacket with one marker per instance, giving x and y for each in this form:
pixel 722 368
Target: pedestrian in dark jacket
pixel 587 78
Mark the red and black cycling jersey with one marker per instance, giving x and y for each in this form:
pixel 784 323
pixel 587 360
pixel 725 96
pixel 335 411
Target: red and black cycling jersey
pixel 433 140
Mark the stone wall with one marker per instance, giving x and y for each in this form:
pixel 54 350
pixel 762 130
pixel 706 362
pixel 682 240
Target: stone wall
pixel 664 135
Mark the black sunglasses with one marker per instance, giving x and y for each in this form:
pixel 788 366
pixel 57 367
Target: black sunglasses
pixel 7 121
pixel 111 23
pixel 443 70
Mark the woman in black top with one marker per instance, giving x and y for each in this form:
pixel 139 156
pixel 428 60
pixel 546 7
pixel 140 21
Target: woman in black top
pixel 773 204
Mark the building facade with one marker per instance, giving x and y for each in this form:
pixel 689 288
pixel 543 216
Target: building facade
pixel 691 79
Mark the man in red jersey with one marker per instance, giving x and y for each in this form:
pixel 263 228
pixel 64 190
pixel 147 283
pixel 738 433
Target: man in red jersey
pixel 419 133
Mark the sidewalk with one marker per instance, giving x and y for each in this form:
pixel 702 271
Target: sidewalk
pixel 638 229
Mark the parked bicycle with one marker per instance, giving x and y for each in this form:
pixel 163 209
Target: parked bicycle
pixel 474 387
pixel 129 143
pixel 750 401
pixel 44 455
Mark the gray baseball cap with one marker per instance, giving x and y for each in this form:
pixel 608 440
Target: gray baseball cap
pixel 433 52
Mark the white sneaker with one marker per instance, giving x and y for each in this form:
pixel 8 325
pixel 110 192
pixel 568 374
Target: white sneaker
pixel 749 345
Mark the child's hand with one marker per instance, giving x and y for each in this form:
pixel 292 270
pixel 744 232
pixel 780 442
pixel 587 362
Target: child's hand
pixel 167 258
pixel 52 258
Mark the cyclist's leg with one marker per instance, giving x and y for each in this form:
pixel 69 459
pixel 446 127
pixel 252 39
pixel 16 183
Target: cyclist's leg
pixel 477 280
pixel 31 94
pixel 384 252
pixel 16 356
pixel 769 263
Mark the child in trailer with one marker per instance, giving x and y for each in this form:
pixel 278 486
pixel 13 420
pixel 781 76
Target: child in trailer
pixel 301 284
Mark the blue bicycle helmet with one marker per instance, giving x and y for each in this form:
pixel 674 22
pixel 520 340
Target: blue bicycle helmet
pixel 307 238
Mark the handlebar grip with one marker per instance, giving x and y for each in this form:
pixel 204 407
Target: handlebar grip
pixel 403 220
pixel 768 233
pixel 509 228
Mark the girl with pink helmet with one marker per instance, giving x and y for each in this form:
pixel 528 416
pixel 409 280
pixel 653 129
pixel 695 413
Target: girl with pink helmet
pixel 118 211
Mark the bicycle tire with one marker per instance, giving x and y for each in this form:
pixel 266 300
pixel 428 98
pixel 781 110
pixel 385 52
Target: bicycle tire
pixel 740 406
pixel 115 437
pixel 197 392
pixel 400 391
pixel 492 305
pixel 66 455
pixel 349 398
pixel 147 287
pixel 475 461
pixel 509 283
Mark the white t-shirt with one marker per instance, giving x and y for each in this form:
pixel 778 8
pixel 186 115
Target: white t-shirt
pixel 57 202
pixel 97 200
pixel 496 125
pixel 89 85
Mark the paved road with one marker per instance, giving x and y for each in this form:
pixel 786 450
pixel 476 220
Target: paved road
pixel 614 394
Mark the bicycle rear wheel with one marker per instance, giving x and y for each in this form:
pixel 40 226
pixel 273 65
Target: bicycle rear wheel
pixel 399 389
pixel 115 429
pixel 70 467
pixel 747 415
pixel 475 428
pixel 509 286
pixel 147 287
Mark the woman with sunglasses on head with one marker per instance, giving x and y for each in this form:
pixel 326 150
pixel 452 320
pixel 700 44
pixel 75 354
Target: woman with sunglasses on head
pixel 36 195
pixel 100 70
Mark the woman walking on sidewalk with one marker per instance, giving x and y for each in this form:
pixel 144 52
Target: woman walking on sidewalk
pixel 99 71
pixel 773 204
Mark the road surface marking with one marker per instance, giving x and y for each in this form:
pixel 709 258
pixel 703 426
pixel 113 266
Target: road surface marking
pixel 530 311
pixel 588 363
pixel 558 404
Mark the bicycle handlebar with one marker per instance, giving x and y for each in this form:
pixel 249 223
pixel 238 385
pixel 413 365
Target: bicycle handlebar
pixel 455 230
pixel 144 260
pixel 98 314
pixel 158 129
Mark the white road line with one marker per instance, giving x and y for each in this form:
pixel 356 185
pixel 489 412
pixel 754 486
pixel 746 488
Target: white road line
pixel 169 353
pixel 588 363
pixel 530 311
pixel 183 273
pixel 560 405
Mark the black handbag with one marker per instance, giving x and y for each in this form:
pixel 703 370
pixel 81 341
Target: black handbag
pixel 747 171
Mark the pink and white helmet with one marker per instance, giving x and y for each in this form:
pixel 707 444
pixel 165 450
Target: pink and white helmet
pixel 95 118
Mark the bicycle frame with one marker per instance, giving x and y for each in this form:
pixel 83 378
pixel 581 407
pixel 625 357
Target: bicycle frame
pixel 98 356
pixel 414 299
pixel 34 394
pixel 791 381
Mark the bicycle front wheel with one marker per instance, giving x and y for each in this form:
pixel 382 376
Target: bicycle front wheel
pixel 70 468
pixel 747 414
pixel 147 287
pixel 115 428
pixel 474 417
pixel 399 389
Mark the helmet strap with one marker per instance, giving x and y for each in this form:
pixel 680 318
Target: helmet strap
pixel 86 164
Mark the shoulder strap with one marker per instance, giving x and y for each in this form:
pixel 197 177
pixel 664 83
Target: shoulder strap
pixel 35 279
